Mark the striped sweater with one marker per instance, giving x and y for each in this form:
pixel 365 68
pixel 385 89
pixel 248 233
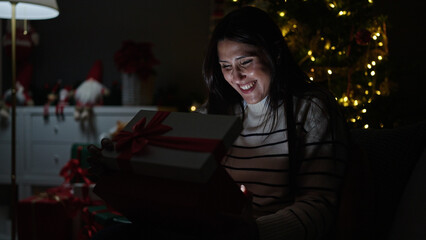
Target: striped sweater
pixel 259 159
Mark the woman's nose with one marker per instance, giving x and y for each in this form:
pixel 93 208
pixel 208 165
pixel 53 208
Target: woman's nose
pixel 238 74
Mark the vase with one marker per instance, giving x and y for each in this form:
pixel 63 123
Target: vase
pixel 136 91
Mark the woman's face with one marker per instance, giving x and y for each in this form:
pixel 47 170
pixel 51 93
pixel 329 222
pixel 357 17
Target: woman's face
pixel 244 69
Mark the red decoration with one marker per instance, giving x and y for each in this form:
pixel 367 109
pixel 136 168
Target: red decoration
pixel 136 58
pixel 363 37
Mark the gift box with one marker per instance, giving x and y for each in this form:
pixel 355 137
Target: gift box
pixel 48 215
pixel 98 217
pixel 167 172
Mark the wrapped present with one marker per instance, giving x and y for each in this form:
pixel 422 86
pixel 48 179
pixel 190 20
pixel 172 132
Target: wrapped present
pixel 48 215
pixel 96 218
pixel 168 171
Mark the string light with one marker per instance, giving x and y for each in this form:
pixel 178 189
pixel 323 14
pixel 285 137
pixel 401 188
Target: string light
pixel 310 52
pixel 373 73
pixel 193 108
pixel 356 103
pixel 312 70
pixel 313 59
pixel 373 63
pixel 370 1
pixel 370 84
pixel 312 78
pixel 380 44
pixel 333 48
pixel 282 14
pixel 329 72
pixel 332 5
pixel 366 92
pixel 374 37
pixel 365 126
pixel 369 66
pixel 353 120
pixel 364 110
pixel 378 92
pixel 380 58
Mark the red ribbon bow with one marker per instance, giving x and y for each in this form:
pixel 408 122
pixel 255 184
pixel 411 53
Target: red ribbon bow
pixel 130 143
pixel 73 170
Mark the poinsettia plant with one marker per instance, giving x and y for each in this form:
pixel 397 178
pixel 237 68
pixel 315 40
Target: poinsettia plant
pixel 136 57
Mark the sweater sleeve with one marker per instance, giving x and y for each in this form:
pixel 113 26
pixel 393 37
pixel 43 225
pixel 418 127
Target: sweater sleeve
pixel 322 144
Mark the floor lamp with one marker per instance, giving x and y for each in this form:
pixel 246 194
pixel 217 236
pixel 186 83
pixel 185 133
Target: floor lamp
pixel 21 10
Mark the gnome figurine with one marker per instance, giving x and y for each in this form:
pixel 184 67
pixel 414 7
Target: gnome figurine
pixel 90 93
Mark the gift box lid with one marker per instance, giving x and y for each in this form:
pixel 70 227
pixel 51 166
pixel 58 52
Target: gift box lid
pixel 185 165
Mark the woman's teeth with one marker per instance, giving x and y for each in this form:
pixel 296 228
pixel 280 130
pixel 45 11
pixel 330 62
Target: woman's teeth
pixel 248 85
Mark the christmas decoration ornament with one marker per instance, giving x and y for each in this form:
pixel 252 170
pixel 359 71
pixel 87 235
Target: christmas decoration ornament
pixel 90 93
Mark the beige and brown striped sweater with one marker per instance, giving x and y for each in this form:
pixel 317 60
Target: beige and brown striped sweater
pixel 259 159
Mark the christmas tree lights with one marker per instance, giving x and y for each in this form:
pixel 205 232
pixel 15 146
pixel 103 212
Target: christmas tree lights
pixel 341 44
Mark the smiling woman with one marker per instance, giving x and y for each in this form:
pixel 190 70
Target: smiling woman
pixel 292 150
pixel 244 70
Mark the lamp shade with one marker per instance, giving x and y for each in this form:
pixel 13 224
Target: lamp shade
pixel 30 9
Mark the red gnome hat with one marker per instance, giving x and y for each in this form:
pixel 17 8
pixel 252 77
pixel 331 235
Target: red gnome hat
pixel 96 71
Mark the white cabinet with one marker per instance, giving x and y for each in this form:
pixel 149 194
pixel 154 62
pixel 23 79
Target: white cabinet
pixel 44 144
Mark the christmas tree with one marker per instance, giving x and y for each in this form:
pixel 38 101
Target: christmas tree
pixel 341 44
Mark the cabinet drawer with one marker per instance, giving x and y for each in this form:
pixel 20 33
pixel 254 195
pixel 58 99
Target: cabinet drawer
pixel 54 129
pixel 5 133
pixel 47 158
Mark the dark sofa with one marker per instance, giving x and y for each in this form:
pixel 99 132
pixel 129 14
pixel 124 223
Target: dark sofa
pixel 384 194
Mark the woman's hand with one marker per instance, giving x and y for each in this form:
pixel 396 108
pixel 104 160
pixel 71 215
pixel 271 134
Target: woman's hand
pixel 97 168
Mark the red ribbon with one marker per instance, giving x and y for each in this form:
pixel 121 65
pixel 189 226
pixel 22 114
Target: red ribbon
pixel 72 169
pixel 131 143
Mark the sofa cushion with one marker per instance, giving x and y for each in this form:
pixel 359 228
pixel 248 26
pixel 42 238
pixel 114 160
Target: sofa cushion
pixel 391 155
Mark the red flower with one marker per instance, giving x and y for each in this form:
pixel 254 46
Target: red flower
pixel 136 58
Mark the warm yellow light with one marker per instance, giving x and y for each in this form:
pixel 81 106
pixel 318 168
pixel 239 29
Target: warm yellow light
pixel 310 52
pixel 294 26
pixel 193 108
pixel 235 0
pixel 369 66
pixel 378 34
pixel 322 38
pixel 369 100
pixel 380 44
pixel 332 5
pixel 381 125
pixel 366 92
pixel 312 70
pixel 282 14
pixel 341 13
pixel 370 84
pixel 378 92
pixel 366 73
pixel 373 63
pixel 373 73
pixel 312 78
pixel 358 117
pixel 340 52
pixel 333 48
pixel 364 110
pixel 380 58
pixel 356 103
pixel 374 37
pixel 353 120
pixel 313 59
pixel 366 126
pixel 329 72
pixel 370 1
pixel 345 99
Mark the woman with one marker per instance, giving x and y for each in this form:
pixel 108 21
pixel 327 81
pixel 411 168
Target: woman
pixel 291 153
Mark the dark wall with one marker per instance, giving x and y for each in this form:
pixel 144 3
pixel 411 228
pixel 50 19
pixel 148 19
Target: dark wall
pixel 87 30
pixel 407 53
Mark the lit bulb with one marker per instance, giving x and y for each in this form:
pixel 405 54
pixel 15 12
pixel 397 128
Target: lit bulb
pixel 373 73
pixel 366 126
pixel 378 92
pixel 329 72
pixel 380 44
pixel 282 14
pixel 294 26
pixel 369 66
pixel 381 125
pixel 356 103
pixel 374 37
pixel 312 78
pixel 333 48
pixel 380 58
pixel 370 1
pixel 313 59
pixel 310 52
pixel 193 108
pixel 378 34
pixel 366 92
pixel 312 70
pixel 353 120
pixel 345 99
pixel 364 110
pixel 332 5
pixel 373 63
pixel 370 84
